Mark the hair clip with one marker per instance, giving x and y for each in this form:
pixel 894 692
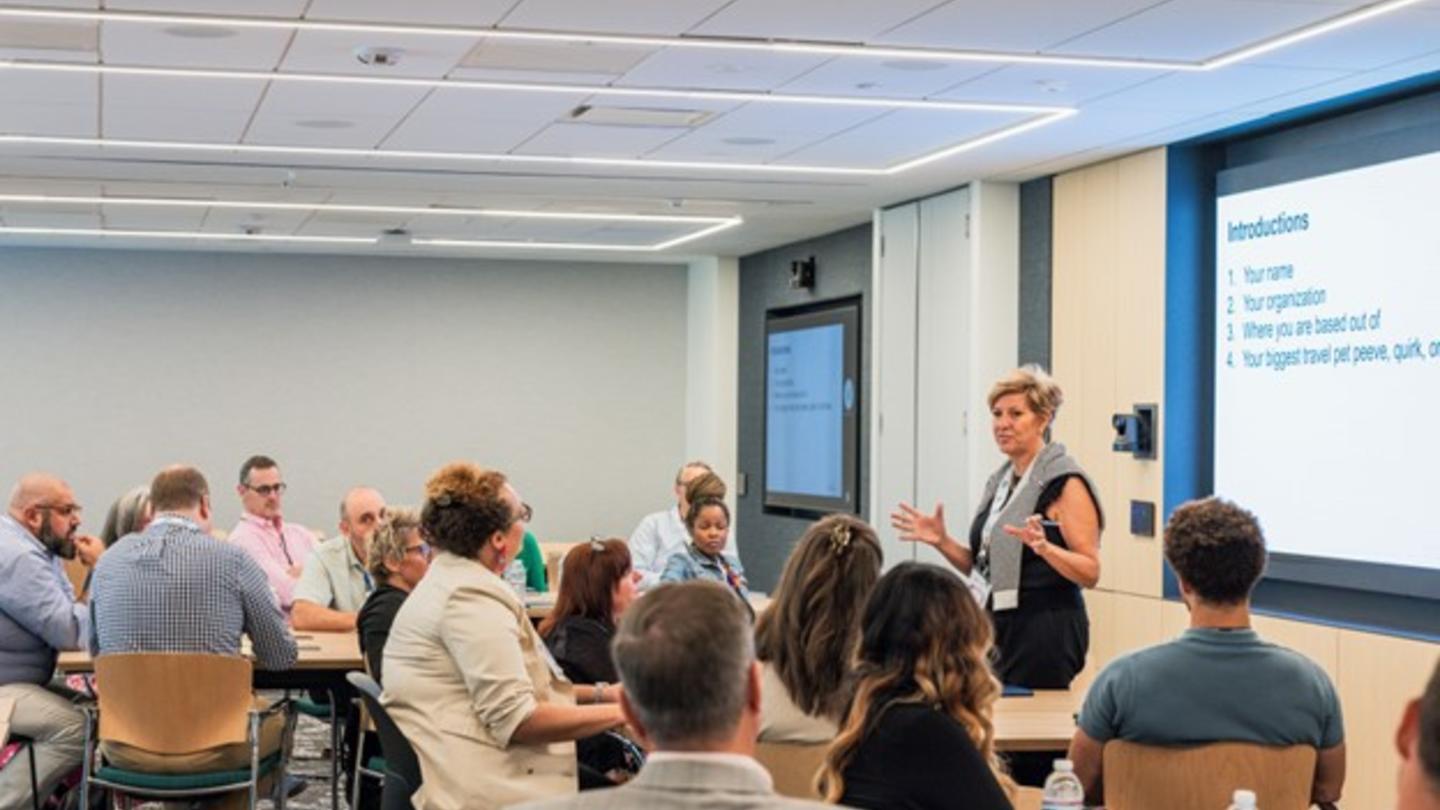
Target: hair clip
pixel 840 539
pixel 443 500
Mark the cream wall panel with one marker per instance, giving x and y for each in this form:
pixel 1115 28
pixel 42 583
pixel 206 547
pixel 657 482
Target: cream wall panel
pixel 1108 327
pixel 1378 676
pixel 1138 622
pixel 1174 618
pixel 1317 642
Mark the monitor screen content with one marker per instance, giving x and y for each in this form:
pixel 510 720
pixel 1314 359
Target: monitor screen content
pixel 811 410
pixel 1327 366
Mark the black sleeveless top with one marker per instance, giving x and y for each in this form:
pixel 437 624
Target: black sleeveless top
pixel 1036 575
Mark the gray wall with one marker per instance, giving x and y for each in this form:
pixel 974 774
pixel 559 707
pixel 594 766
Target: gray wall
pixel 1036 239
pixel 569 377
pixel 844 263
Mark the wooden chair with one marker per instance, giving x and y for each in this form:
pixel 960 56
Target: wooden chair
pixel 1028 798
pixel 79 576
pixel 793 766
pixel 554 554
pixel 179 703
pixel 1144 777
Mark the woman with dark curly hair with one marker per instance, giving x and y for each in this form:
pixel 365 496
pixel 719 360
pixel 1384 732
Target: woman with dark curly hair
pixel 918 734
pixel 467 678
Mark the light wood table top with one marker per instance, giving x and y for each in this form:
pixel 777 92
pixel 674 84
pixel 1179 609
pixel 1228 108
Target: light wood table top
pixel 317 651
pixel 1044 721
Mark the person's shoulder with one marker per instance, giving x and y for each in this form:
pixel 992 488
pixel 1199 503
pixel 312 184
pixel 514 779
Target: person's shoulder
pixel 1295 664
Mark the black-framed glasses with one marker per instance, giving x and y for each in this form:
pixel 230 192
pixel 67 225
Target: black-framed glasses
pixel 266 490
pixel 62 509
pixel 526 513
pixel 423 549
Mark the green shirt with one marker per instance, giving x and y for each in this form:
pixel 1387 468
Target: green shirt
pixel 1214 685
pixel 534 563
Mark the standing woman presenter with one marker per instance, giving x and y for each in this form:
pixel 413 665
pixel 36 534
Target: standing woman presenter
pixel 1033 543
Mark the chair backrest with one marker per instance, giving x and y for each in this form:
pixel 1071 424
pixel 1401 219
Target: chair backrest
pixel 79 576
pixel 402 766
pixel 554 554
pixel 793 766
pixel 174 703
pixel 1144 777
pixel 1029 798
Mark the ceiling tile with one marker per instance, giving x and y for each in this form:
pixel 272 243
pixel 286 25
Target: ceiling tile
pixel 155 45
pixel 362 132
pixel 1403 34
pixel 1015 25
pixel 632 16
pixel 899 136
pixel 18 88
pixel 412 12
pixel 51 40
pixel 232 220
pixel 845 20
pixel 1047 84
pixel 597 140
pixel 788 127
pixel 337 52
pixel 250 8
pixel 326 100
pixel 1195 29
pixel 723 70
pixel 87 4
pixel 68 216
pixel 479 121
pixel 146 122
pixel 1212 91
pixel 162 219
pixel 855 76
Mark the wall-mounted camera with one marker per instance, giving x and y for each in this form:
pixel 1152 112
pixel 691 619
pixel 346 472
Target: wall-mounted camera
pixel 802 274
pixel 1135 432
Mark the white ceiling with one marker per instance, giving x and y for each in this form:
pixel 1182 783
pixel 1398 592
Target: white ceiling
pixel 1118 109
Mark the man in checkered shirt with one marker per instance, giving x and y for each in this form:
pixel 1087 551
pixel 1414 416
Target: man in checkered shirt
pixel 175 588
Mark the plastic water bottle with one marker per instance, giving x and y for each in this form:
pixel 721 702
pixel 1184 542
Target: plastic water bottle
pixel 1243 800
pixel 1062 788
pixel 515 576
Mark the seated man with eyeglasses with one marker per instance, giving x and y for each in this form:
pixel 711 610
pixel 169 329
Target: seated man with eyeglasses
pixel 38 617
pixel 280 548
pixel 336 582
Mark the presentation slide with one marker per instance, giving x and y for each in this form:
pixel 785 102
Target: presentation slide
pixel 1327 361
pixel 805 412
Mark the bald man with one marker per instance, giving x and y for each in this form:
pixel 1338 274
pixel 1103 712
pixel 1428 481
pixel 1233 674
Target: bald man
pixel 38 617
pixel 335 581
pixel 1418 741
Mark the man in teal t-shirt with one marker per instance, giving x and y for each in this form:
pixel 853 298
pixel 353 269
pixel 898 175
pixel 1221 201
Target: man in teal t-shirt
pixel 1218 682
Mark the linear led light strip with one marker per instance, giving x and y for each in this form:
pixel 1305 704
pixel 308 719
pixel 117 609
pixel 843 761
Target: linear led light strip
pixel 550 160
pixel 715 224
pixel 523 87
pixel 819 48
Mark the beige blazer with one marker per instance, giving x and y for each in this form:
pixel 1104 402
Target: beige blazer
pixel 463 669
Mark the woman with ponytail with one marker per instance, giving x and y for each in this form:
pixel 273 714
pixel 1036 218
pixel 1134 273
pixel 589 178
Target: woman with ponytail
pixel 918 734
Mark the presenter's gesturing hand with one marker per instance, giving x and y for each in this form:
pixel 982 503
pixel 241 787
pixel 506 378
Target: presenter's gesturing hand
pixel 917 527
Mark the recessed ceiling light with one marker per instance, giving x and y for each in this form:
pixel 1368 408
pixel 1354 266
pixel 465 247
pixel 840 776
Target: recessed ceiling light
pixel 734 44
pixel 200 32
pixel 915 65
pixel 200 235
pixel 746 140
pixel 325 123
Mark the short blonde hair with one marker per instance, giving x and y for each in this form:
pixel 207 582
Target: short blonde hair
pixel 1042 393
pixel 388 544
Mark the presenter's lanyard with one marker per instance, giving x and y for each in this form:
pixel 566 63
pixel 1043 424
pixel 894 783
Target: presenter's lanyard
pixel 1008 486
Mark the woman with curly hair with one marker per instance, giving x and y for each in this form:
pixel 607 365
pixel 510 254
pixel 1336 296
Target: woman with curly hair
pixel 492 719
pixel 918 734
pixel 812 623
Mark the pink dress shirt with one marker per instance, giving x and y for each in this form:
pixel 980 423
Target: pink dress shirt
pixel 277 546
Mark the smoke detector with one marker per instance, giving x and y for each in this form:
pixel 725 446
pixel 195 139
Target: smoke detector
pixel 379 56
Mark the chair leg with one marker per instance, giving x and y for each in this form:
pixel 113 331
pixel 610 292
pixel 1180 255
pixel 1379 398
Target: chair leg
pixel 359 759
pixel 336 735
pixel 34 778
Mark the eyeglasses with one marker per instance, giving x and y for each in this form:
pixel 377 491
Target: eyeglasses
pixel 266 490
pixel 423 548
pixel 62 509
pixel 526 513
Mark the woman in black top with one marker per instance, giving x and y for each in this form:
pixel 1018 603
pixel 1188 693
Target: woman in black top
pixel 918 733
pixel 597 583
pixel 1041 498
pixel 398 561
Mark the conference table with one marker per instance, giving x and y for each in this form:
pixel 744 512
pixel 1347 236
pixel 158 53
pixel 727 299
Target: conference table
pixel 322 662
pixel 1043 721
